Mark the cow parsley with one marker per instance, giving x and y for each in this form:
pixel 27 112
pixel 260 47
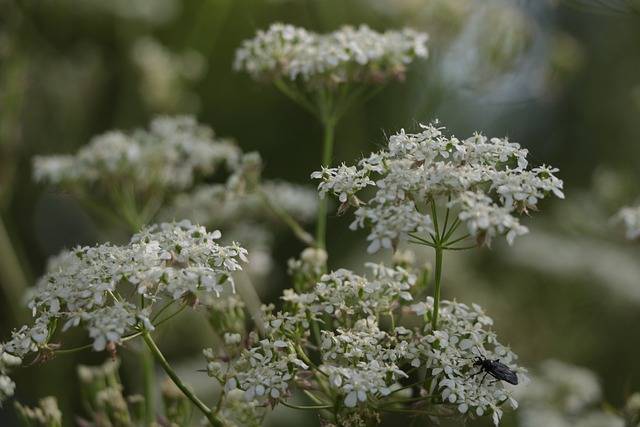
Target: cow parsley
pixel 93 287
pixel 126 177
pixel 170 154
pixel 372 340
pixel 485 181
pixel 347 55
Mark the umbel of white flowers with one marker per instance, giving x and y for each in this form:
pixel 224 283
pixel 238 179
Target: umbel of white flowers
pixel 86 287
pixel 171 154
pixel 362 364
pixel 348 55
pixel 487 183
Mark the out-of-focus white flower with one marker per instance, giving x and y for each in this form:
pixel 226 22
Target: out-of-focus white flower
pixel 600 419
pixel 7 387
pixel 237 412
pixel 569 388
pixel 169 155
pixel 46 413
pixel 285 52
pixel 485 181
pixel 630 217
pixel 220 206
pixel 165 75
pixel 562 395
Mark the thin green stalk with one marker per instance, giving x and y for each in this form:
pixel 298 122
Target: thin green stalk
pixel 327 154
pixel 462 248
pixel 436 295
pixel 148 379
pixel 451 230
pixel 308 408
pixel 295 96
pixel 88 346
pixel 148 375
pixel 215 421
pixel 459 239
pixel 297 229
pixel 434 216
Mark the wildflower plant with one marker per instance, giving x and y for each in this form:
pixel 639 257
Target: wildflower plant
pixel 357 345
pixel 361 346
pixel 326 74
pixel 118 293
pixel 131 175
pixel 481 183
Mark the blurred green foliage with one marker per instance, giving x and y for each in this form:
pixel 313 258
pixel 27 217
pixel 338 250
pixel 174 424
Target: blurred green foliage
pixel 561 77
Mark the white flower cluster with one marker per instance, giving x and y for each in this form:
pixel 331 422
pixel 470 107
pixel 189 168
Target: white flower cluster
pixel 84 286
pixel 463 335
pixel 264 371
pixel 563 395
pixel 363 380
pixel 630 217
pixel 363 363
pixel 485 180
pixel 170 154
pixel 343 56
pixel 343 294
pixel 370 344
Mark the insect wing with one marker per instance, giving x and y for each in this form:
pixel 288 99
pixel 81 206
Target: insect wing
pixel 502 372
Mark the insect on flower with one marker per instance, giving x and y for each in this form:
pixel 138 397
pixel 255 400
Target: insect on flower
pixel 496 369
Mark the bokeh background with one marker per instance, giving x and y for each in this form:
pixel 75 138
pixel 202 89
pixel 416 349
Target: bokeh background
pixel 560 77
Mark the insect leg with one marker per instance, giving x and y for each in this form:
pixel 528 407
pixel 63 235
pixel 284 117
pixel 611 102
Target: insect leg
pixel 474 374
pixel 483 377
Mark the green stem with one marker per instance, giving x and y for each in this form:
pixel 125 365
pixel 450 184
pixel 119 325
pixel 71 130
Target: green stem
pixel 296 96
pixel 327 154
pixel 148 379
pixel 215 421
pixel 148 374
pixel 436 295
pixel 308 408
pixel 297 229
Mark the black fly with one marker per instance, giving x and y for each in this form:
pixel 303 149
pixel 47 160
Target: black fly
pixel 496 369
